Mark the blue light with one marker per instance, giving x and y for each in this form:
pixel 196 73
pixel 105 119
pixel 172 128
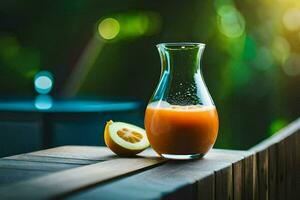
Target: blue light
pixel 43 82
pixel 43 102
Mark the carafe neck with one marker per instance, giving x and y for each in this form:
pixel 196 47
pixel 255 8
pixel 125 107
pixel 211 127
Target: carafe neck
pixel 180 60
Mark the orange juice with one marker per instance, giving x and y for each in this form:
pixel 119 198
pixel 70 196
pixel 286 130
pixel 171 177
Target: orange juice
pixel 181 130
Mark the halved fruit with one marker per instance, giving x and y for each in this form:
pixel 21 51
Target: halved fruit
pixel 125 139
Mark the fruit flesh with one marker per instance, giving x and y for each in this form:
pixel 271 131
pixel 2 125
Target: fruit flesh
pixel 129 135
pixel 125 139
pixel 181 130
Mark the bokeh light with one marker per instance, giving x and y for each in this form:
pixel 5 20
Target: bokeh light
pixel 43 82
pixel 277 124
pixel 253 50
pixel 292 65
pixel 230 21
pixel 139 23
pixel 109 28
pixel 291 19
pixel 280 49
pixel 43 102
pixel 130 25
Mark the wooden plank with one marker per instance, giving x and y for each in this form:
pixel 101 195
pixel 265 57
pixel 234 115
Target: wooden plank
pixel 255 178
pixel 262 172
pixel 228 155
pixel 238 181
pixel 297 165
pixel 17 170
pixel 272 181
pixel 221 162
pixel 247 184
pixel 49 159
pixel 290 158
pixel 156 183
pixel 206 187
pixel 233 181
pixel 281 170
pixel 27 165
pixel 249 177
pixel 224 184
pixel 240 167
pixel 61 183
pixel 282 151
pixel 9 176
pixel 78 152
pixel 73 155
pixel 178 177
pixel 188 191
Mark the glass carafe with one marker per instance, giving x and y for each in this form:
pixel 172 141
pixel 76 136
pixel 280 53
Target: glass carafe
pixel 181 120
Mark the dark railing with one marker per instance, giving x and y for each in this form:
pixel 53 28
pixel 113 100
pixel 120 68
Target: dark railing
pixel 277 165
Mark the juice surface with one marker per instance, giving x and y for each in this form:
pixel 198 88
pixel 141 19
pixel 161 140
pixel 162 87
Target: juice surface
pixel 181 130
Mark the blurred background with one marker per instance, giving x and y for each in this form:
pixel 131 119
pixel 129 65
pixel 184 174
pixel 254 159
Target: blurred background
pixel 68 66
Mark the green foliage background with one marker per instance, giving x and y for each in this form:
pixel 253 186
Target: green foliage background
pixel 251 63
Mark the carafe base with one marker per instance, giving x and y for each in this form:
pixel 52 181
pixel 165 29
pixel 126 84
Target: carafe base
pixel 182 157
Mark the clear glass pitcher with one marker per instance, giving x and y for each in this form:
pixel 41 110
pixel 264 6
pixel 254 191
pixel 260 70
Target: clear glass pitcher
pixel 181 120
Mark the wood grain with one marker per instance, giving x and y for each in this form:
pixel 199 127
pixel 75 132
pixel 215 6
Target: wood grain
pixel 239 167
pixel 291 171
pixel 206 187
pixel 281 170
pixel 50 159
pixel 256 178
pixel 224 184
pixel 262 172
pixel 9 176
pixel 61 183
pixel 28 165
pixel 297 165
pixel 249 177
pixel 174 179
pixel 272 181
pixel 78 152
pixel 277 159
pixel 238 181
pixel 157 183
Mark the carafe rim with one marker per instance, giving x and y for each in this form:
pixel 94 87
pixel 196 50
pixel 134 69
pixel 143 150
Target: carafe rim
pixel 180 45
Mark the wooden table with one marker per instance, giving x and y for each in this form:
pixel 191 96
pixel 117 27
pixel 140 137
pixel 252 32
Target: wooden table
pixel 268 171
